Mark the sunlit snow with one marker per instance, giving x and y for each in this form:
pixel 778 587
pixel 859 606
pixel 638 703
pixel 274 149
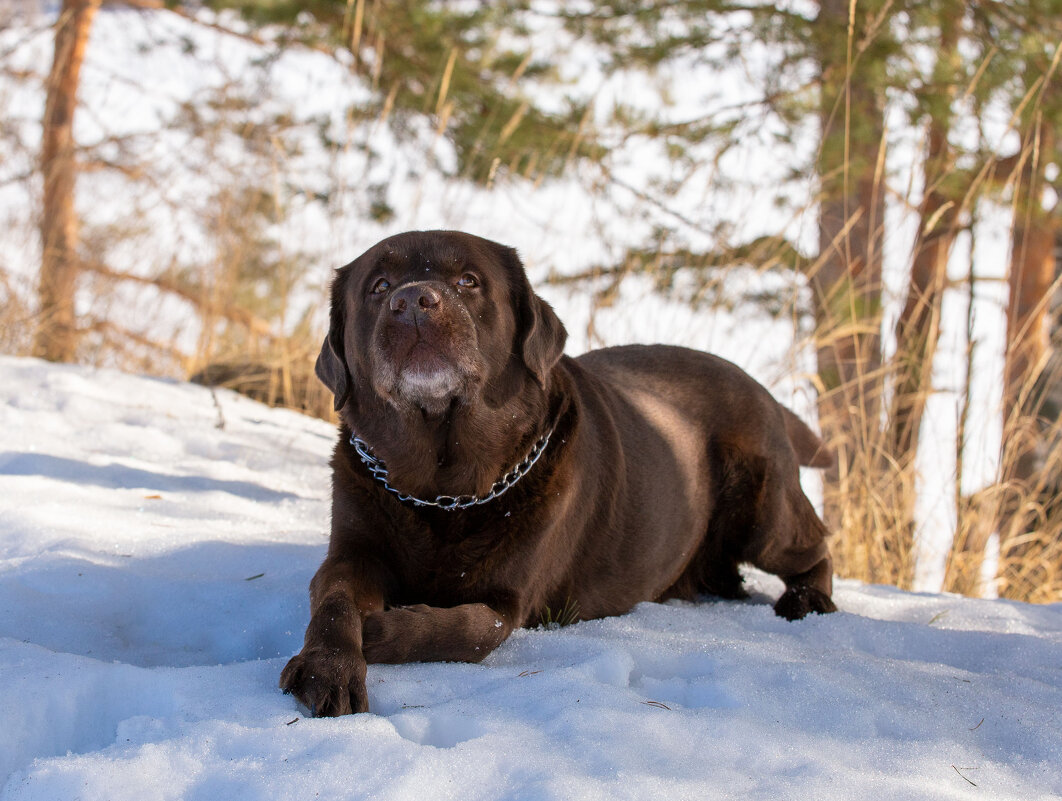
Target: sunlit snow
pixel 156 543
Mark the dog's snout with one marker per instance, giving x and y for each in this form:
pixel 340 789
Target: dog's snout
pixel 415 296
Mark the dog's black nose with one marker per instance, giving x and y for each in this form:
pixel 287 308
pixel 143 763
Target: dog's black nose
pixel 414 296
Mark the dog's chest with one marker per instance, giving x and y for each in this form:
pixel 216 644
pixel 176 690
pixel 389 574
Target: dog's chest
pixel 455 560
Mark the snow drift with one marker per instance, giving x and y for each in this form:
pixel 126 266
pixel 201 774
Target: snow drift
pixel 156 542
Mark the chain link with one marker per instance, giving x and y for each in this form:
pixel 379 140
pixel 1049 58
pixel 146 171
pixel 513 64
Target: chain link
pixel 451 502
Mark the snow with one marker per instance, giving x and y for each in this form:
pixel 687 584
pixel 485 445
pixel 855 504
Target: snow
pixel 153 582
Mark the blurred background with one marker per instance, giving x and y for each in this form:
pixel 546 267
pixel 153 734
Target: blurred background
pixel 855 200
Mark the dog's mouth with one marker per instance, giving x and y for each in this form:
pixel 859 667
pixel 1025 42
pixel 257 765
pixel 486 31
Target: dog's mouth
pixel 427 373
pixel 424 357
pixel 424 366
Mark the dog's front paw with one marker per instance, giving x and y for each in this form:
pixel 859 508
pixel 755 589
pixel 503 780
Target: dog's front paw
pixel 328 682
pixel 798 602
pixel 391 636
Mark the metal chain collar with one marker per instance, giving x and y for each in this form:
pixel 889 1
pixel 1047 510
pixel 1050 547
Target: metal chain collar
pixel 451 502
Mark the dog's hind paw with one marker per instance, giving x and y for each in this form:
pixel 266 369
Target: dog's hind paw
pixel 798 602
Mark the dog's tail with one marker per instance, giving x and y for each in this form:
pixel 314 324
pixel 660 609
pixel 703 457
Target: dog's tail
pixel 809 448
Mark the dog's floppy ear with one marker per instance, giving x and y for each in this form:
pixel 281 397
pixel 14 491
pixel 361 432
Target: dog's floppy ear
pixel 331 366
pixel 540 335
pixel 543 338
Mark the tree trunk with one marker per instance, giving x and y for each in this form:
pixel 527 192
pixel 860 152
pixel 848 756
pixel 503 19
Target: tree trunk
pixel 918 327
pixel 56 337
pixel 1032 274
pixel 847 283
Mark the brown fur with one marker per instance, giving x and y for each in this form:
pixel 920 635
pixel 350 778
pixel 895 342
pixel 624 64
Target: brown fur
pixel 667 469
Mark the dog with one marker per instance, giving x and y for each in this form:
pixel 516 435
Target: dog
pixel 482 478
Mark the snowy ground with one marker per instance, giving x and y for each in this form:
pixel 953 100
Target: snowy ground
pixel 153 574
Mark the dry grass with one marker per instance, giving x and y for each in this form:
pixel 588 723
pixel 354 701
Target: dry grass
pixel 1028 517
pixel 278 376
pixel 17 320
pixel 872 539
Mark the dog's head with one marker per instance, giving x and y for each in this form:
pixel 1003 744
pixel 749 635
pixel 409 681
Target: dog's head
pixel 428 317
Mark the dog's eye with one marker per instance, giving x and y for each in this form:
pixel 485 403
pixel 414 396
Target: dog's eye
pixel 468 280
pixel 381 285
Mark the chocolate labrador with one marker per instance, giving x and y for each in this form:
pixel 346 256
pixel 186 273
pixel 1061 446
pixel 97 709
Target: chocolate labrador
pixel 484 481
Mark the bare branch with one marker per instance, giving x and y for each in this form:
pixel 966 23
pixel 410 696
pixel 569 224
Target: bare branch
pixel 235 314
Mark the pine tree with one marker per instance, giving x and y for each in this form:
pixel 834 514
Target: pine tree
pixel 459 64
pixel 57 332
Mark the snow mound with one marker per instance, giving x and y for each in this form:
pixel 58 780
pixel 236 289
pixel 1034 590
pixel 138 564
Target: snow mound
pixel 156 542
